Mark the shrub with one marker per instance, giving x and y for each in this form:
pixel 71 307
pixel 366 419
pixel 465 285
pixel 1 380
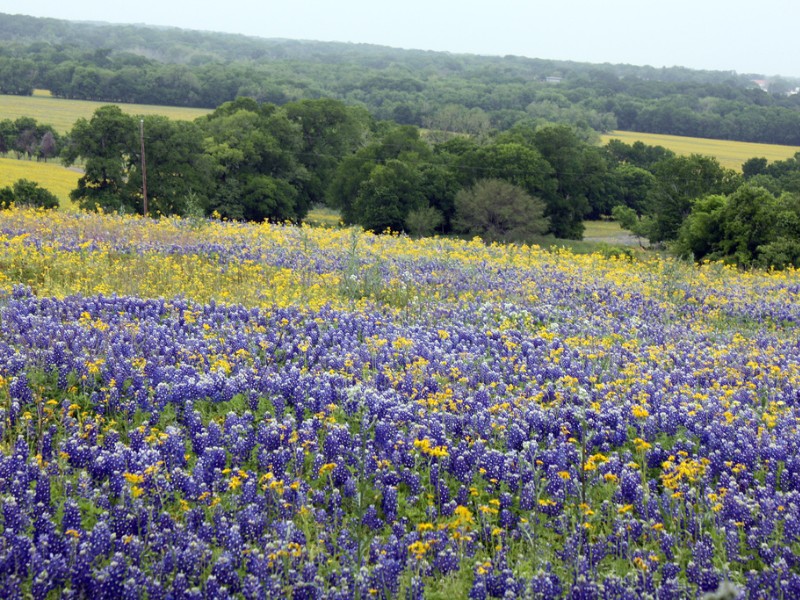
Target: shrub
pixel 27 193
pixel 499 211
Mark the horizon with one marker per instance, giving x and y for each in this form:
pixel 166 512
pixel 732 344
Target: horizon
pixel 713 36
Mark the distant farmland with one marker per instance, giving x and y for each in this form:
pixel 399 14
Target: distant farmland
pixel 62 114
pixel 52 176
pixel 729 154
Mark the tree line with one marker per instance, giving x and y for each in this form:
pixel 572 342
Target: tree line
pixel 467 94
pixel 26 138
pixel 249 160
pixel 258 161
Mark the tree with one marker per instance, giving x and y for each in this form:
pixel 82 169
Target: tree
pixel 330 131
pixel 105 142
pixel 176 166
pixel 513 162
pixel 748 222
pixel 8 132
pixel 252 151
pixel 701 233
pixel 499 211
pixel 48 147
pixel 439 186
pixel 579 171
pixel 754 166
pixel 750 227
pixel 388 195
pixel 631 186
pixel 422 222
pixel 681 180
pixel 395 143
pixel 637 154
pixel 638 225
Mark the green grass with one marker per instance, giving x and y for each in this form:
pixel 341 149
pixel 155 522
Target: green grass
pixel 730 154
pixel 599 236
pixel 62 113
pixel 52 176
pixel 603 230
pixel 321 216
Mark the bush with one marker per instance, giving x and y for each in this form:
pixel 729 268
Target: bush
pixel 423 222
pixel 499 211
pixel 27 193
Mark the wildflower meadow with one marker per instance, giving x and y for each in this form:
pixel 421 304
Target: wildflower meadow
pixel 204 409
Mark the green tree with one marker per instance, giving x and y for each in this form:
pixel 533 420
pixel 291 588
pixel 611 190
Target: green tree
pixel 748 222
pixel 330 131
pixel 702 232
pixel 105 142
pixel 579 170
pixel 388 195
pixel 631 186
pixel 394 143
pixel 638 225
pixel 681 180
pixel 176 165
pixel 499 211
pixel 750 227
pixel 637 154
pixel 439 186
pixel 252 151
pixel 422 222
pixel 513 162
pixel 754 166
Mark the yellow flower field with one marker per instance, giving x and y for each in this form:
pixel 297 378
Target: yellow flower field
pixel 62 113
pixel 51 176
pixel 730 154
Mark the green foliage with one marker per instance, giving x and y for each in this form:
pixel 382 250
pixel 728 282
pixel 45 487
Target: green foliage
pixel 701 232
pixel 640 226
pixel 753 167
pixel 330 131
pixel 499 211
pixel 27 138
pixel 27 193
pixel 681 180
pixel 467 94
pixel 637 154
pixel 580 172
pixel 421 222
pixel 629 186
pixel 511 160
pixel 750 227
pixel 388 195
pixel 252 151
pixel 381 183
pixel 105 143
pixel 176 167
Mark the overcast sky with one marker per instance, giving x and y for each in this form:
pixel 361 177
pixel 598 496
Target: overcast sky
pixel 733 35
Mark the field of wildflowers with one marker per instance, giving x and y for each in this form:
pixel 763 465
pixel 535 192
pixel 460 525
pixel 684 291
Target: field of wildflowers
pixel 201 409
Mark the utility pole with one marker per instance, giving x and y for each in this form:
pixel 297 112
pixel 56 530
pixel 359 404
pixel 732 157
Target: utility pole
pixel 144 167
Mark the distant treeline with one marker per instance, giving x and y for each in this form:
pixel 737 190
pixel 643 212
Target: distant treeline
pixel 440 91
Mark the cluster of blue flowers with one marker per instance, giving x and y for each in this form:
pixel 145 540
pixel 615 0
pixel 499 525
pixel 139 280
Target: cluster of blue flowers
pixel 591 440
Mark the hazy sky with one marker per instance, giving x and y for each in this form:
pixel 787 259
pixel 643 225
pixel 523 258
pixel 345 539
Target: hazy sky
pixel 738 35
